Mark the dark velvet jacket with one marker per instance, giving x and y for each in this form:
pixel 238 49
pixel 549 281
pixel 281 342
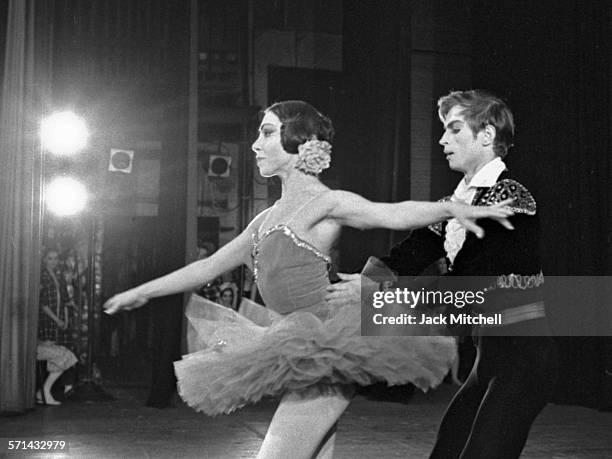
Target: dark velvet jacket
pixel 506 264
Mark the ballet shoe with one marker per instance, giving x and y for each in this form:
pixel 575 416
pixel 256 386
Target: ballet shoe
pixel 42 400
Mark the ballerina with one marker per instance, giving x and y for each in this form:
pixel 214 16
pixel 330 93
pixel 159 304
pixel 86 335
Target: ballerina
pixel 311 354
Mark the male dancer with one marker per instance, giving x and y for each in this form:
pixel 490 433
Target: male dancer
pixel 515 369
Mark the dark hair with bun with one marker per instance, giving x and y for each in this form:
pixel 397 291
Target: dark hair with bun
pixel 301 122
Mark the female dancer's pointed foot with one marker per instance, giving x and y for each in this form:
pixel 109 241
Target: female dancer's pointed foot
pixel 46 399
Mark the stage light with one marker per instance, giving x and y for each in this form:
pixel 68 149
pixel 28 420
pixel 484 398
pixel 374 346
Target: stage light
pixel 63 133
pixel 66 196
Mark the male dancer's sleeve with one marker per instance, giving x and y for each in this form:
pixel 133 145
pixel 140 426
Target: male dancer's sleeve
pixel 415 253
pixel 409 258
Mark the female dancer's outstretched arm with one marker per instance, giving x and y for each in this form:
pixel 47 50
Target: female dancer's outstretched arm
pixel 228 257
pixel 350 209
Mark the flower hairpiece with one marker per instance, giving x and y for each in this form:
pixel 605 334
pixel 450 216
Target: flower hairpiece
pixel 314 156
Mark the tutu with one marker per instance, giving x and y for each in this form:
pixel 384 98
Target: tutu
pixel 265 354
pixel 298 342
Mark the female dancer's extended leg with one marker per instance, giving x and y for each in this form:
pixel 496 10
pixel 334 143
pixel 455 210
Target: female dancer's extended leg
pixel 303 427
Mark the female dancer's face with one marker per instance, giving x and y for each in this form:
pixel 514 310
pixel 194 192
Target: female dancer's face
pixel 270 156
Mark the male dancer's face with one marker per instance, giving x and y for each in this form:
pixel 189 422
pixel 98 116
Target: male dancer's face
pixel 464 151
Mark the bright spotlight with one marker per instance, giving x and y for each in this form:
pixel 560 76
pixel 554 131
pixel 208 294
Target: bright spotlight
pixel 66 196
pixel 63 133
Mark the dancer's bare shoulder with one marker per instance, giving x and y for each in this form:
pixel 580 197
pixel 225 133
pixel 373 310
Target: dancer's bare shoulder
pixel 343 206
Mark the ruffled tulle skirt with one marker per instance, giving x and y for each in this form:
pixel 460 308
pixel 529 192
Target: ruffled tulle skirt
pixel 243 359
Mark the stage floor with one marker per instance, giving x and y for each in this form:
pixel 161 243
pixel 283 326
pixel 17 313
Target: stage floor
pixel 124 428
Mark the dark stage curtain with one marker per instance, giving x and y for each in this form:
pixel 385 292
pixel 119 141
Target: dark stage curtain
pixel 24 92
pixel 373 115
pixel 167 312
pixel 551 61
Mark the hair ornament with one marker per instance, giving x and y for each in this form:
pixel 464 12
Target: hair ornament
pixel 314 156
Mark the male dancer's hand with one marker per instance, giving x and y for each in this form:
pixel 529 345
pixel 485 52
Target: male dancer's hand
pixel 349 290
pixel 467 215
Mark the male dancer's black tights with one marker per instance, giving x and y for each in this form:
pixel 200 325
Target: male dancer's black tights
pixel 490 416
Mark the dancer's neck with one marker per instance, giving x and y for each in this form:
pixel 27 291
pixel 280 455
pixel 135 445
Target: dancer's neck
pixel 296 184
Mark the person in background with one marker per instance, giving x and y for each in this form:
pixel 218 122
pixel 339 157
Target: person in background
pixel 53 328
pixel 228 295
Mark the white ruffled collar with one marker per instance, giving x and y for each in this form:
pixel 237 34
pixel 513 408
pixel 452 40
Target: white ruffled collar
pixel 465 192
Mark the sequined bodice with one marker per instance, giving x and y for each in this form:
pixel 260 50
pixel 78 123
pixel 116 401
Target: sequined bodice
pixel 291 274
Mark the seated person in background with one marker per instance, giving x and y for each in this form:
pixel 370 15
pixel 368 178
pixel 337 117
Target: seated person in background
pixel 59 359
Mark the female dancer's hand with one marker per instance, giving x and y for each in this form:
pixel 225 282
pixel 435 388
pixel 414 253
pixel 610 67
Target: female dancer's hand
pixel 127 300
pixel 467 215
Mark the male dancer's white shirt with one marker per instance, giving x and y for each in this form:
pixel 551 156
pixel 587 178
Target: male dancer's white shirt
pixel 465 192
